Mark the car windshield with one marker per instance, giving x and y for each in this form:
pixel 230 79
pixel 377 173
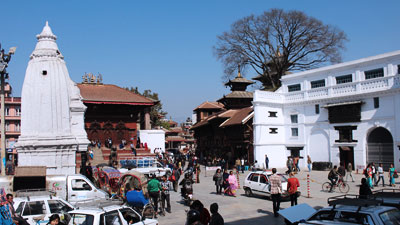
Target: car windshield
pixel 391 217
pixel 323 215
pixel 129 215
pixel 82 219
pixel 57 206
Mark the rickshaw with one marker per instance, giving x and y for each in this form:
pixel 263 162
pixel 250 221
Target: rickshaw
pixel 138 181
pixel 132 180
pixel 107 179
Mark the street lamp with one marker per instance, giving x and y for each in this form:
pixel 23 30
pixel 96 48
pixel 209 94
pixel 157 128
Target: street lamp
pixel 4 59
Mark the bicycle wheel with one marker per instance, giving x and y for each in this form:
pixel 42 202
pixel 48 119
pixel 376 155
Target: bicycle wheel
pixel 344 187
pixel 326 186
pixel 148 211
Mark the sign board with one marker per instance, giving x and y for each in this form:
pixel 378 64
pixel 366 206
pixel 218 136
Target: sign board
pixel 212 167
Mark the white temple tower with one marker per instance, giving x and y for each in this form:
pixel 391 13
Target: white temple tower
pixel 52 119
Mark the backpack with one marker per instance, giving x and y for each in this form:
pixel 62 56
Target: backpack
pixel 188 185
pixel 172 177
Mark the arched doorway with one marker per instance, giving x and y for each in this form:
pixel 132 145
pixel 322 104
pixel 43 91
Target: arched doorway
pixel 380 147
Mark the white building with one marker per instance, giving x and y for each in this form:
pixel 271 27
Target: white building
pixel 348 112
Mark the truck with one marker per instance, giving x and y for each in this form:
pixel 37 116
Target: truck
pixel 146 166
pixel 73 188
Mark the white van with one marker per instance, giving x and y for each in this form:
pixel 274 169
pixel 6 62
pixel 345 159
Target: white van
pixel 72 188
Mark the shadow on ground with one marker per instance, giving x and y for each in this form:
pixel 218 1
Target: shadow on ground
pixel 268 218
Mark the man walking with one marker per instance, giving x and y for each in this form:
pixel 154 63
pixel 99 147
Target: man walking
pixel 381 175
pixel 266 162
pixel 276 190
pixel 242 165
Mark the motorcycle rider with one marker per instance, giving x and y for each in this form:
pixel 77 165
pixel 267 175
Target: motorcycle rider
pixel 187 185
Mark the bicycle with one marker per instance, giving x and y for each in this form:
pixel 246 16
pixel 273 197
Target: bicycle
pixel 343 186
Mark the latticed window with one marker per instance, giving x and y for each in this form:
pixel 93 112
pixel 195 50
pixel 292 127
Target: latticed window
pixel 317 83
pixel 294 87
pixel 371 74
pixel 344 79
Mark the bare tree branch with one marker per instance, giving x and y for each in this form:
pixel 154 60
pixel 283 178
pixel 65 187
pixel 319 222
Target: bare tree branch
pixel 277 41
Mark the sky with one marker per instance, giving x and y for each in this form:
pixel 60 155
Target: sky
pixel 167 46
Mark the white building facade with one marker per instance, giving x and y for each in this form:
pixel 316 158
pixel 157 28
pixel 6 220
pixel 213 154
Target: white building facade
pixel 344 113
pixel 52 122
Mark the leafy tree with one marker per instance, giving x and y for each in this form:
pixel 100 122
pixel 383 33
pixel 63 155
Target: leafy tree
pixel 156 113
pixel 276 42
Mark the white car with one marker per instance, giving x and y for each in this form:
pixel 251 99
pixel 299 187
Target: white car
pixel 257 183
pixel 38 209
pixel 109 215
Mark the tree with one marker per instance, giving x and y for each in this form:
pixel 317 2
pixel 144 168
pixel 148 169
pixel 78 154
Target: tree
pixel 277 42
pixel 156 113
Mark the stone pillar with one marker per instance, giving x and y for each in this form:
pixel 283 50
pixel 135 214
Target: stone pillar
pixel 147 124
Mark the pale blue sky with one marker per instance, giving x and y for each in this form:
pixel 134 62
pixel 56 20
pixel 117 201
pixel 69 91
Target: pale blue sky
pixel 166 46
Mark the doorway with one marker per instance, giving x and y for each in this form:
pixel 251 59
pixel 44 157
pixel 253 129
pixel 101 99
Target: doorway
pixel 380 147
pixel 346 155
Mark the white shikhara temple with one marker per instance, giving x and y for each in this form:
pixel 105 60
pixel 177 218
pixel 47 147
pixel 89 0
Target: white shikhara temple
pixel 52 122
pixel 348 112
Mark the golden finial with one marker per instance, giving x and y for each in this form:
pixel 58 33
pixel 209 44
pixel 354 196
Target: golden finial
pixel 239 75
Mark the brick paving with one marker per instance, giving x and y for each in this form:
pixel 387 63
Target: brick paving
pixel 244 210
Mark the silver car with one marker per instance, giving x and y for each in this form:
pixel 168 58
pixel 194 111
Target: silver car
pixel 257 183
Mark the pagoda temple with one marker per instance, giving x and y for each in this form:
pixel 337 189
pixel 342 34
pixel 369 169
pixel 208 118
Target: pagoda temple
pixel 224 128
pixel 239 97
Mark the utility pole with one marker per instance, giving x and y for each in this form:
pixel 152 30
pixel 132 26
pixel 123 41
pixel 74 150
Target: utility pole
pixel 4 59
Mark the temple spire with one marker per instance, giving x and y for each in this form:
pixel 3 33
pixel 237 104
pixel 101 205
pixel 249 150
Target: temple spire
pixel 239 75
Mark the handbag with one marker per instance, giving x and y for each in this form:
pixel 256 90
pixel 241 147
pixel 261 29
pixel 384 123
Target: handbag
pixel 395 175
pixel 298 193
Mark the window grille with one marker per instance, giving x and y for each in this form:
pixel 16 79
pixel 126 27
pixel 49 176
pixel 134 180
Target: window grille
pixel 371 74
pixel 294 87
pixel 317 83
pixel 344 79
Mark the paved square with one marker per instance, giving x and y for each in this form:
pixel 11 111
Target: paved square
pixel 243 210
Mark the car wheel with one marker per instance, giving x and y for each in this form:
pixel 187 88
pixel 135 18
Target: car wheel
pixel 248 192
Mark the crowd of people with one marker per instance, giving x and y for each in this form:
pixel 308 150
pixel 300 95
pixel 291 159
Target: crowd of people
pixel 159 190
